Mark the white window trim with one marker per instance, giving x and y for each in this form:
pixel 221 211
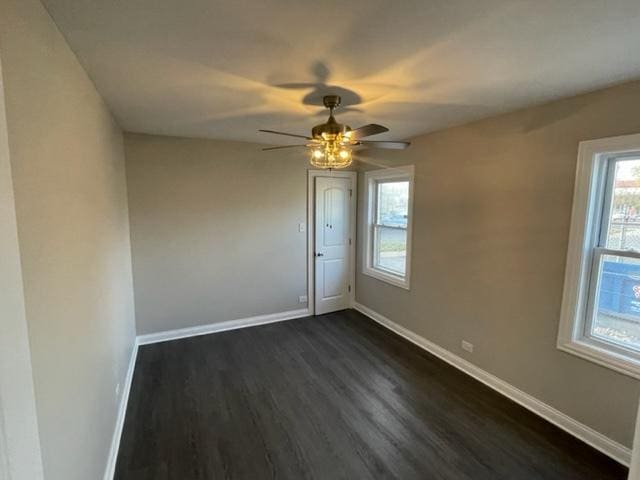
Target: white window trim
pixel 370 177
pixel 585 223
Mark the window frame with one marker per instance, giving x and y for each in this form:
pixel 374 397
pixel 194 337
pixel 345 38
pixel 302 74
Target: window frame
pixel 372 179
pixel 587 246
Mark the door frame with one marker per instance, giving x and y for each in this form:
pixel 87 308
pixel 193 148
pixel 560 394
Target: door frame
pixel 311 232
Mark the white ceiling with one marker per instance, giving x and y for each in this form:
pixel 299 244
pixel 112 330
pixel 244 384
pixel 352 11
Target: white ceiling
pixel 224 69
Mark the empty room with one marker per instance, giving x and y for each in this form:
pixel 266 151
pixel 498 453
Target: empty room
pixel 276 239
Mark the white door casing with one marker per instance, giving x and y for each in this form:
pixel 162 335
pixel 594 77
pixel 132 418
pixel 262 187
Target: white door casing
pixel 333 242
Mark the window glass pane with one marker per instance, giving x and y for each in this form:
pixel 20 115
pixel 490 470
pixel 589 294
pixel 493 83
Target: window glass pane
pixel 623 231
pixel 393 201
pixel 617 317
pixel 391 249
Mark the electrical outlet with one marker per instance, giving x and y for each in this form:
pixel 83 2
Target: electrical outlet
pixel 467 346
pixel 302 299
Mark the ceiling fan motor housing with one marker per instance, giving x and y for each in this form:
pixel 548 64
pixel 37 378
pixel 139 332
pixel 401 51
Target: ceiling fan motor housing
pixel 329 130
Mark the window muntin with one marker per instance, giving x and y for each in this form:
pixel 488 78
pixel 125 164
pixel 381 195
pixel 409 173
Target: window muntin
pixel 389 196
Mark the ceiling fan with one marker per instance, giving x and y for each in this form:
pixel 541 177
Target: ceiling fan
pixel 331 142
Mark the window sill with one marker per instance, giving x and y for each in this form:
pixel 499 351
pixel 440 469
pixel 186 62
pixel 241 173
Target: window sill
pixel 387 277
pixel 602 356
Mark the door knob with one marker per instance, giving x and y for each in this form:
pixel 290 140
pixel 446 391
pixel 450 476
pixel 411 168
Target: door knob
pixel 319 254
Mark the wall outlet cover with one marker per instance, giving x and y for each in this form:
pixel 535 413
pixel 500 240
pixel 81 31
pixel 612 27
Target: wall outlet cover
pixel 302 299
pixel 467 346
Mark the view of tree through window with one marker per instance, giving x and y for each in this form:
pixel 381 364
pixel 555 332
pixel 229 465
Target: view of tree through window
pixel 617 318
pixel 624 223
pixel 390 241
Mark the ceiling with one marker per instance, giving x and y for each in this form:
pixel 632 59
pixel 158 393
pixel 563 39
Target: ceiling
pixel 224 69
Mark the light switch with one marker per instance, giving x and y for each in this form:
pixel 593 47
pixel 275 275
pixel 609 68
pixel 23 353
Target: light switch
pixel 302 227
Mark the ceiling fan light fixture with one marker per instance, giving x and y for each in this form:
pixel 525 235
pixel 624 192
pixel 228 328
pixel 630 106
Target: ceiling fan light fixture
pixel 331 142
pixel 331 157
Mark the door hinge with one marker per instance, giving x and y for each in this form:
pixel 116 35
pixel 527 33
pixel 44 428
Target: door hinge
pixel 351 192
pixel 349 241
pixel 349 287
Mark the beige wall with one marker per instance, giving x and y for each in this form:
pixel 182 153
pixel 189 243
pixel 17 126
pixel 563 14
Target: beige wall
pixel 214 230
pixel 491 223
pixel 73 231
pixel 20 457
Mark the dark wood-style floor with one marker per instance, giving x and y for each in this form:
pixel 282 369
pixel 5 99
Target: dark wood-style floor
pixel 330 397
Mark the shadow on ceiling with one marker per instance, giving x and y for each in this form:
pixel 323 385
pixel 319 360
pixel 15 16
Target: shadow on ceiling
pixel 320 87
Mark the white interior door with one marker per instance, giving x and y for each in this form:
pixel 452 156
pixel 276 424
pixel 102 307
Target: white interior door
pixel 332 243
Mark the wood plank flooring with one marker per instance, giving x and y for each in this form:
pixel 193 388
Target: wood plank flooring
pixel 330 397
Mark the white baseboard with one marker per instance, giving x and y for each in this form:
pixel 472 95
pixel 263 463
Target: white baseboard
pixel 221 326
pixel 122 411
pixel 588 435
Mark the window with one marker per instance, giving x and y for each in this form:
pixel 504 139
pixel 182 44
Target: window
pixel 389 194
pixel 600 317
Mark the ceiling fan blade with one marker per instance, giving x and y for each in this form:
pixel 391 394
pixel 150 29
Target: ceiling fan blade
pixel 283 146
pixel 368 130
pixel 369 161
pixel 287 134
pixel 383 144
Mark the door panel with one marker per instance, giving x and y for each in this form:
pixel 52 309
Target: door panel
pixel 334 201
pixel 332 249
pixel 332 277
